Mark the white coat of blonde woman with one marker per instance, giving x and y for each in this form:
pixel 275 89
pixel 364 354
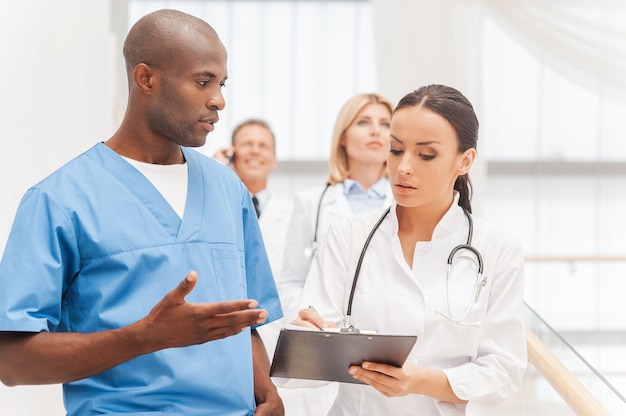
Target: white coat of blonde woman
pixel 299 245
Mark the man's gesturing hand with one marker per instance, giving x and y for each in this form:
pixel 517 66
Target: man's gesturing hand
pixel 174 322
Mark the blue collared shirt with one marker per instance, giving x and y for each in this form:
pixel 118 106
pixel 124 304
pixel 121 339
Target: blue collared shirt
pixel 363 200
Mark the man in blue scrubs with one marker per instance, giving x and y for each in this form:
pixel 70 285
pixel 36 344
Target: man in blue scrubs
pixel 136 274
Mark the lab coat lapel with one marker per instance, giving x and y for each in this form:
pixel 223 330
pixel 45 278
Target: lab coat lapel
pixel 274 212
pixel 335 203
pixel 388 195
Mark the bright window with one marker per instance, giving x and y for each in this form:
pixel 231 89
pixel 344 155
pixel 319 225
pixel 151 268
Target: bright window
pixel 292 63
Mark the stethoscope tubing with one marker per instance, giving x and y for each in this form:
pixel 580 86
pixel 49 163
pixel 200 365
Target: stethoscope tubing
pixel 310 251
pixel 361 257
pixel 480 281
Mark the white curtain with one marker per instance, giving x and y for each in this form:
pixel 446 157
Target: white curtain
pixel 583 39
pixel 553 80
pixel 553 77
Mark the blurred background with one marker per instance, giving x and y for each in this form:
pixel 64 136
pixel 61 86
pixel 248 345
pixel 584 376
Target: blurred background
pixel 547 79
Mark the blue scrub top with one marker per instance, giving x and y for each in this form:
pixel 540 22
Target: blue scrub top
pixel 95 246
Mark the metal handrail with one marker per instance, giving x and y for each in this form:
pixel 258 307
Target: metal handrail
pixel 571 390
pixel 577 396
pixel 562 380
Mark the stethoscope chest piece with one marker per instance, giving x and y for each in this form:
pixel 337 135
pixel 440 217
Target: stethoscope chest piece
pixel 458 252
pixel 310 251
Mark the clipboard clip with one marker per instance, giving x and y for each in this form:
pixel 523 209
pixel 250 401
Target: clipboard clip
pixel 343 330
pixel 350 330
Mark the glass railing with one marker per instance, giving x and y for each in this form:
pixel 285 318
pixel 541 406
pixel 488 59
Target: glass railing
pixel 561 381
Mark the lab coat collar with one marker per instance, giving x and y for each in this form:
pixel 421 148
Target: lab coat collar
pixel 450 223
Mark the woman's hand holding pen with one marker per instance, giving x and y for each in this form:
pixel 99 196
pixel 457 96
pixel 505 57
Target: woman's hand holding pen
pixel 311 319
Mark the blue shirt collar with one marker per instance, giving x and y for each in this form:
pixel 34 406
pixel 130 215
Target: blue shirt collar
pixel 378 190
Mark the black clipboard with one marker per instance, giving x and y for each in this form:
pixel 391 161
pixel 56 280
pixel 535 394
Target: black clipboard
pixel 320 355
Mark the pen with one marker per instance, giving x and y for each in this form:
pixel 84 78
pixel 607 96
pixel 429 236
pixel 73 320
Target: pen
pixel 324 324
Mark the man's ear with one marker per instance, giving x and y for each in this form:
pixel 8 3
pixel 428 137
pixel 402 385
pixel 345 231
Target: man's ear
pixel 143 77
pixel 467 160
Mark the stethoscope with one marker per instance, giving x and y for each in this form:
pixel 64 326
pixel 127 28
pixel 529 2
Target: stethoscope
pixel 481 280
pixel 309 252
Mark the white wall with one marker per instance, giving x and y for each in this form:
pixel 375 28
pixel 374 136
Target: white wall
pixel 56 92
pixel 418 43
pixel 56 100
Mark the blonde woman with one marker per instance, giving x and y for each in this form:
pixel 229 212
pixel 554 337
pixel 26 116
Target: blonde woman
pixel 357 183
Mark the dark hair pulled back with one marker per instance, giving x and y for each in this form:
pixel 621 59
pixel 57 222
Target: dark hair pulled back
pixel 450 104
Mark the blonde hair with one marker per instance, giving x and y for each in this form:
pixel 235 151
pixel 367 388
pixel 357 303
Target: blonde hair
pixel 338 163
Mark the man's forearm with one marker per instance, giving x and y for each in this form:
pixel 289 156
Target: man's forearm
pixel 50 358
pixel 264 390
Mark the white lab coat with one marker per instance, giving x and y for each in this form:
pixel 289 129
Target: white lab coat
pixel 296 265
pixel 484 363
pixel 290 281
pixel 273 222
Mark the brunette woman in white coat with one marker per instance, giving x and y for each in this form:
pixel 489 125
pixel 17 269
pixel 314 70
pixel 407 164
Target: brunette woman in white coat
pixel 357 183
pixel 470 352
